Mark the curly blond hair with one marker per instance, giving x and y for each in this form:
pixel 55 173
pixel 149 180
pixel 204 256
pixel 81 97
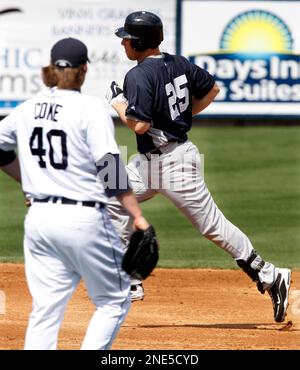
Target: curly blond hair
pixel 64 78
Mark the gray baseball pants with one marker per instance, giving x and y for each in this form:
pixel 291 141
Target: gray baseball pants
pixel 178 175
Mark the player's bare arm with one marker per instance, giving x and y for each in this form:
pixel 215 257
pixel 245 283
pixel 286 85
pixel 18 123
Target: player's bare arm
pixel 118 102
pixel 129 202
pixel 200 104
pixel 139 127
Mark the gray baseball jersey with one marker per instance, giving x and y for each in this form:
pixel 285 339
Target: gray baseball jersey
pixel 160 91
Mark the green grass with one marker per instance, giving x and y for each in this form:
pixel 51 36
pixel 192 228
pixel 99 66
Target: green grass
pixel 12 212
pixel 253 175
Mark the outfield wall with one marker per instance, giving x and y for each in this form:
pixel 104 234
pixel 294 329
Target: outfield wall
pixel 251 47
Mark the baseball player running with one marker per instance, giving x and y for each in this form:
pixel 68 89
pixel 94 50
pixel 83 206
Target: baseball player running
pixel 64 138
pixel 161 95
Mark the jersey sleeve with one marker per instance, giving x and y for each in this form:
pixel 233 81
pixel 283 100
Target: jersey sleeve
pixel 139 93
pixel 100 133
pixel 8 135
pixel 202 82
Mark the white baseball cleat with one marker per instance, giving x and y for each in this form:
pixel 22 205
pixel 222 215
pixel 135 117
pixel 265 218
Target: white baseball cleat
pixel 136 292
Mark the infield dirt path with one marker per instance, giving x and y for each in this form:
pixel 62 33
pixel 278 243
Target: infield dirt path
pixel 182 309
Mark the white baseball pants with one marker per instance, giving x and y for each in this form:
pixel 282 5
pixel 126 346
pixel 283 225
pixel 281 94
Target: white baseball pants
pixel 62 244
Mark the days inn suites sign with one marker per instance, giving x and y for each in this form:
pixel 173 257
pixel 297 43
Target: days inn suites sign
pixel 251 49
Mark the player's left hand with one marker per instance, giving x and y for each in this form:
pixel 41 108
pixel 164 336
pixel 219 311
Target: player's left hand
pixel 115 94
pixel 141 255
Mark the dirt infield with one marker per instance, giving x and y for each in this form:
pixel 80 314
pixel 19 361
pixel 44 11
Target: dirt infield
pixel 183 309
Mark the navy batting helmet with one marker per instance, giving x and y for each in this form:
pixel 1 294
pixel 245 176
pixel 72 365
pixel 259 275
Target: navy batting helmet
pixel 144 29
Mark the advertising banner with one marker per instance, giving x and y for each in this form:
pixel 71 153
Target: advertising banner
pixel 252 48
pixel 29 28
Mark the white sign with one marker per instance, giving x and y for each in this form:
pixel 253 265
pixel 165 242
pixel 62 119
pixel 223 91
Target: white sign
pixel 252 48
pixel 29 28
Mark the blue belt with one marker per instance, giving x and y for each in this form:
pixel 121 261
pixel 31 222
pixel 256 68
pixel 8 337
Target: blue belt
pixel 155 151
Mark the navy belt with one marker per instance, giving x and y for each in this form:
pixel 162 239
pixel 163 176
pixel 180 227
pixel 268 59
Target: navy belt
pixel 62 200
pixel 155 151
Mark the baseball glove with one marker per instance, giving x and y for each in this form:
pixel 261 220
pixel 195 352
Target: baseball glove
pixel 141 256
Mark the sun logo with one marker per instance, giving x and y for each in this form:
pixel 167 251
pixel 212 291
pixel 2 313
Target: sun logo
pixel 256 31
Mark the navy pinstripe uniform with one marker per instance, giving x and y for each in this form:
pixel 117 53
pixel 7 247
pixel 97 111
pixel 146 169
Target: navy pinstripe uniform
pixel 150 89
pixel 159 96
pixel 169 163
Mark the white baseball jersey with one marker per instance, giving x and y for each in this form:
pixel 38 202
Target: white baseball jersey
pixel 60 134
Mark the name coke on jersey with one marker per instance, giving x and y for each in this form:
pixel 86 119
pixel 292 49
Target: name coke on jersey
pixel 48 111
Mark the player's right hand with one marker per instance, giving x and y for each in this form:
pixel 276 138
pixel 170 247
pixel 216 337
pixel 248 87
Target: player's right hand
pixel 115 94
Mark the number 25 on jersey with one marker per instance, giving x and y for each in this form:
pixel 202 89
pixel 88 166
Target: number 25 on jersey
pixel 178 96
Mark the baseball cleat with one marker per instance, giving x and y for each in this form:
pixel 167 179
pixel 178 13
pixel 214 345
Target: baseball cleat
pixel 279 294
pixel 136 292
